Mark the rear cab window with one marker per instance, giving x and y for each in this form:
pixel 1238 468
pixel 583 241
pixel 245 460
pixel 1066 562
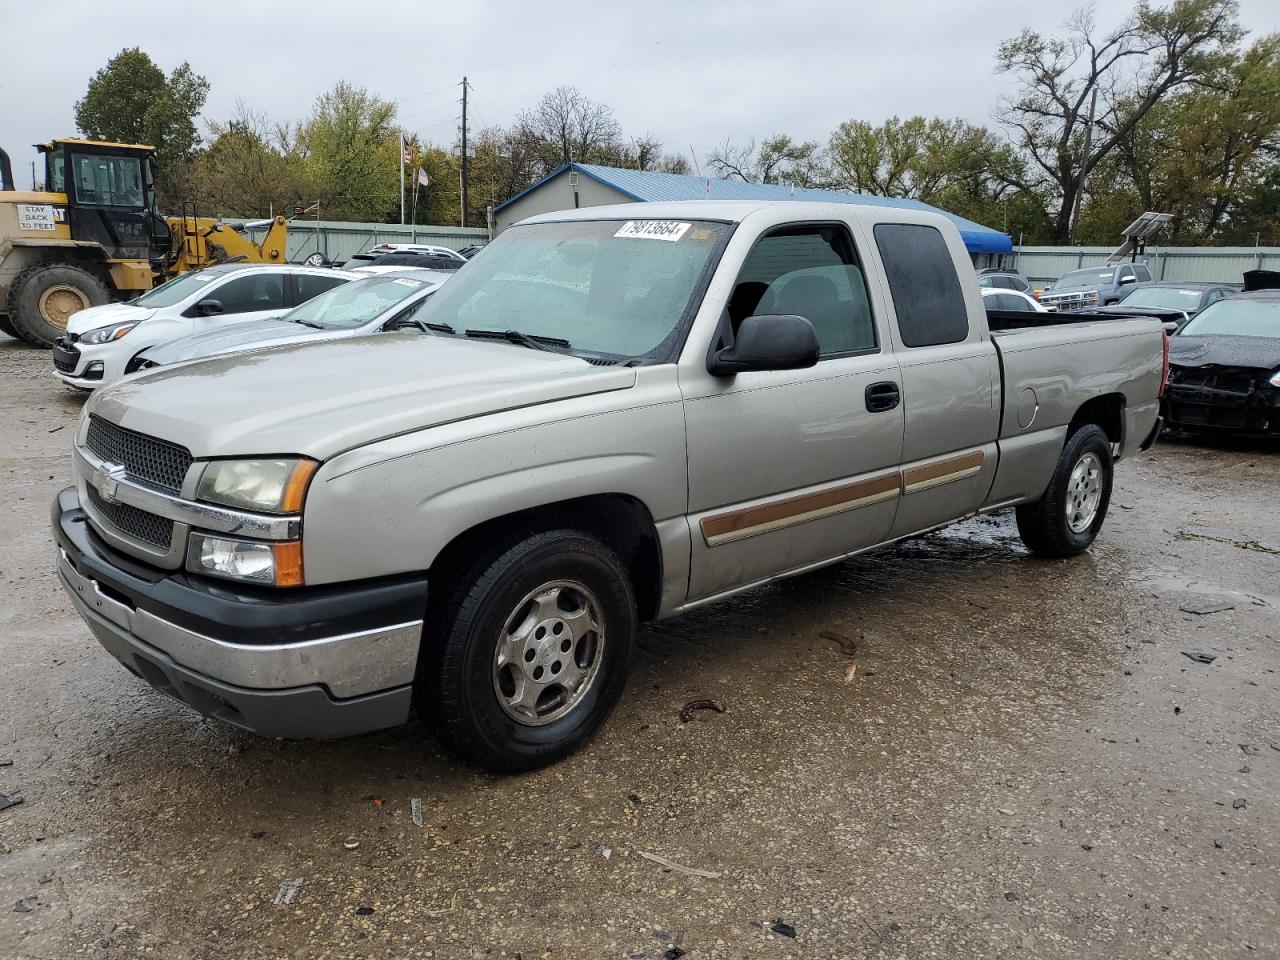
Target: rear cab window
pixel 923 284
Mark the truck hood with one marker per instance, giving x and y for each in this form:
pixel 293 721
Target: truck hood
pixel 238 336
pixel 92 318
pixel 318 399
pixel 1260 353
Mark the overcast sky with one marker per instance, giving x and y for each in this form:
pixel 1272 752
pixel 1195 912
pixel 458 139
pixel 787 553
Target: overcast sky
pixel 693 73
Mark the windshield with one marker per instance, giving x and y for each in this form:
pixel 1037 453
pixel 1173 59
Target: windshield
pixel 1175 298
pixel 1080 278
pixel 1237 318
pixel 176 290
pixel 356 303
pixel 613 287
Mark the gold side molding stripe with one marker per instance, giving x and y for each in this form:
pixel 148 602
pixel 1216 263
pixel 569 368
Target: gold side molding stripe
pixel 752 521
pixel 726 527
pixel 915 479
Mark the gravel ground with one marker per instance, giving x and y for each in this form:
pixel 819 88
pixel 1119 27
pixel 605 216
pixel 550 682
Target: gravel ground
pixel 1023 764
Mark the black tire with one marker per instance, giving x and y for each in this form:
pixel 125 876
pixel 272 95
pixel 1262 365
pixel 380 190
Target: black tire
pixel 30 286
pixel 458 683
pixel 1044 525
pixel 7 327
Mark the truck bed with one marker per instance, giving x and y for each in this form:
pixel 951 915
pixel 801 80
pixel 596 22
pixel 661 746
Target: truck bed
pixel 1050 366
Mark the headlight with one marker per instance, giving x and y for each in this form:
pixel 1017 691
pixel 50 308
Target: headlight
pixel 107 334
pixel 1275 379
pixel 269 486
pixel 270 564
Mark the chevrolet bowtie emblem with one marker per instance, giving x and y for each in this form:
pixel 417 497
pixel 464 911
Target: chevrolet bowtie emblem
pixel 106 479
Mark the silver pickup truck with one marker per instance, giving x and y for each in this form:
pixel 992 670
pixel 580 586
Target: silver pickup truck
pixel 610 416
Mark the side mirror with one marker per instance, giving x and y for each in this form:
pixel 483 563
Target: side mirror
pixel 767 343
pixel 209 308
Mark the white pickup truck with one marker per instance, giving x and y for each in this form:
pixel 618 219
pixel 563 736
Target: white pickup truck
pixel 611 415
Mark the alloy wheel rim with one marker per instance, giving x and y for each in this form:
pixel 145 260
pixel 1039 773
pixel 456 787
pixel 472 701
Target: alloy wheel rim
pixel 59 302
pixel 1084 493
pixel 549 653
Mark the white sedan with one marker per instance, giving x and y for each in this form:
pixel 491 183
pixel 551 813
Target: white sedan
pixel 101 341
pixel 996 298
pixel 377 302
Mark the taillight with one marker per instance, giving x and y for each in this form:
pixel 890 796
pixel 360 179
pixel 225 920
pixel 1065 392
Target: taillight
pixel 1164 363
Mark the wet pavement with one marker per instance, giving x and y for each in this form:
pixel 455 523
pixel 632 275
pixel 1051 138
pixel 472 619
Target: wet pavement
pixel 1018 760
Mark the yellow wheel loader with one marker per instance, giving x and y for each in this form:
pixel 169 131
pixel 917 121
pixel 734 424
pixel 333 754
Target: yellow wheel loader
pixel 93 236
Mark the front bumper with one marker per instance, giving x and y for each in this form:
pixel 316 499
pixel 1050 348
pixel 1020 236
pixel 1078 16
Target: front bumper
pixel 319 662
pixel 1201 408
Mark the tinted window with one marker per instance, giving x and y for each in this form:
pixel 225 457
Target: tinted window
pixel 312 285
pixel 1017 283
pixel 808 272
pixel 922 280
pixel 107 181
pixel 1141 272
pixel 253 291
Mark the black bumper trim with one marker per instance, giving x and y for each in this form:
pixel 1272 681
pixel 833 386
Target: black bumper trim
pixel 297 713
pixel 231 612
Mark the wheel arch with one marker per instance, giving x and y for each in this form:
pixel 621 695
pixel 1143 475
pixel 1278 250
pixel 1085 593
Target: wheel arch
pixel 1105 410
pixel 620 521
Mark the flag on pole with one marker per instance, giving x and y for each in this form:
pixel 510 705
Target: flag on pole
pixel 408 154
pixel 423 179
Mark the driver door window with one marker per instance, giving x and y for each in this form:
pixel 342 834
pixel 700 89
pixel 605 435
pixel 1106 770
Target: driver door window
pixel 812 273
pixel 251 295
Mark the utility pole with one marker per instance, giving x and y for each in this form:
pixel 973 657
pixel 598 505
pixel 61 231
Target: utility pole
pixel 462 220
pixel 1088 145
pixel 402 178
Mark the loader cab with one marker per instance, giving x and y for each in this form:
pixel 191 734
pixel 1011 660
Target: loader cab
pixel 111 197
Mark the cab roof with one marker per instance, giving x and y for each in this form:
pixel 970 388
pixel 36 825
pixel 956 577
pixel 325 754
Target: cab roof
pixel 94 143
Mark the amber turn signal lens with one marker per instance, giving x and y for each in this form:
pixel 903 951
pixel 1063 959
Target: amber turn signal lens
pixel 295 490
pixel 288 563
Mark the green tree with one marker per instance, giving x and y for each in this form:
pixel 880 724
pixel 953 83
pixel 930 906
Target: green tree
pixel 1118 77
pixel 131 100
pixel 350 147
pixel 249 169
pixel 951 164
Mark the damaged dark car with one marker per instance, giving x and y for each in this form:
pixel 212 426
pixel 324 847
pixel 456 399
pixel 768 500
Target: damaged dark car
pixel 1224 368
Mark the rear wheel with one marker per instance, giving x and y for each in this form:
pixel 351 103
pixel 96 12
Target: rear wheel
pixel 533 650
pixel 44 296
pixel 1065 521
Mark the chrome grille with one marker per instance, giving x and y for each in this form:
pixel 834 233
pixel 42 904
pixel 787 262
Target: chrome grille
pixel 156 463
pixel 129 520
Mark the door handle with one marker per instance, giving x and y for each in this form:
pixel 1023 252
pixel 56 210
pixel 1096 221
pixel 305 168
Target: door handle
pixel 883 396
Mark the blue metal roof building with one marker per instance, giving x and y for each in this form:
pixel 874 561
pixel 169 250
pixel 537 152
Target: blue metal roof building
pixel 590 185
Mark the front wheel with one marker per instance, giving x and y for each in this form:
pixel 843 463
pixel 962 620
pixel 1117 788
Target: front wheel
pixel 1065 521
pixel 44 296
pixel 533 650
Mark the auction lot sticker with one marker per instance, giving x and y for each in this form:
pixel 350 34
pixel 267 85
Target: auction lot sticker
pixel 654 229
pixel 36 216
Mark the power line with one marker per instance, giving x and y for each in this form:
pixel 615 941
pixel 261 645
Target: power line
pixel 414 96
pixel 438 106
pixel 492 104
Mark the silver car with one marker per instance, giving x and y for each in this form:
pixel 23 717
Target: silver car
pixel 383 301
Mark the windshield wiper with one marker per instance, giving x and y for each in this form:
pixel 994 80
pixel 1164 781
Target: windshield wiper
pixel 532 341
pixel 305 323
